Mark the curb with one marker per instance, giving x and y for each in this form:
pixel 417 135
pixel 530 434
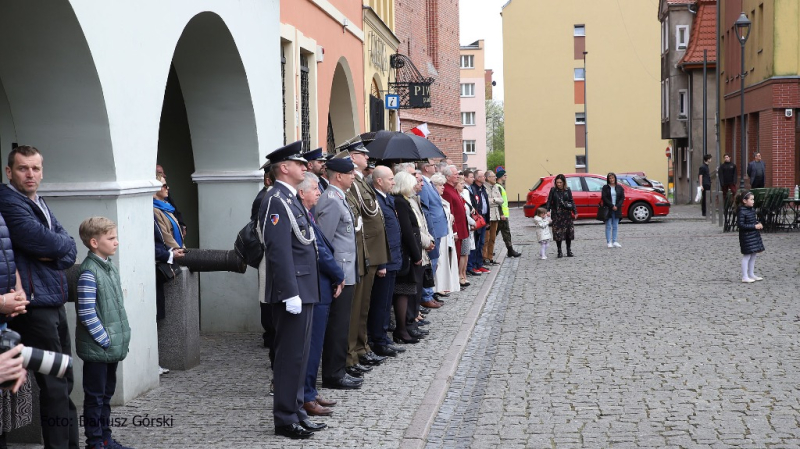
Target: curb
pixel 416 434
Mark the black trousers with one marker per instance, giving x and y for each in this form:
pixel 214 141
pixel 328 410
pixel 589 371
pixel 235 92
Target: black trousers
pixel 99 383
pixel 46 328
pixel 334 346
pixel 381 309
pixel 704 205
pixel 269 331
pixel 292 341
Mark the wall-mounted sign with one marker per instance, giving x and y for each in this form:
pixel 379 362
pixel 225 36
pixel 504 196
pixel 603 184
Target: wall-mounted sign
pixel 419 95
pixel 392 101
pixel 377 52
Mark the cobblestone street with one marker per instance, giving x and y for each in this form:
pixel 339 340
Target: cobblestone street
pixel 657 344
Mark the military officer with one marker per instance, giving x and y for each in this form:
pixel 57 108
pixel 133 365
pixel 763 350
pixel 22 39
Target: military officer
pixel 316 164
pixel 375 252
pixel 291 287
pixel 337 222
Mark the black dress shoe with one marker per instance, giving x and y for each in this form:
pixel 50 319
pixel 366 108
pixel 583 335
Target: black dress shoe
pixel 362 368
pixel 396 348
pixel 353 372
pixel 345 383
pixel 294 431
pixel 570 254
pixel 384 351
pixel 512 253
pixel 443 295
pixel 560 254
pixel 416 334
pixel 312 426
pixel 424 310
pixel 370 358
pixel 423 323
pixel 399 339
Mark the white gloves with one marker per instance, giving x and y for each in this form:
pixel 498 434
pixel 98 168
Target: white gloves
pixel 294 305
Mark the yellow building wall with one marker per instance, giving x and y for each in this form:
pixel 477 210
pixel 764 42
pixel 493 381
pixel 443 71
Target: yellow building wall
pixel 787 37
pixel 380 28
pixel 623 89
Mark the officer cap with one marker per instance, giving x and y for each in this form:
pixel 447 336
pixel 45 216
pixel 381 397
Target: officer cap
pixel 314 155
pixel 290 152
pixel 358 145
pixel 341 165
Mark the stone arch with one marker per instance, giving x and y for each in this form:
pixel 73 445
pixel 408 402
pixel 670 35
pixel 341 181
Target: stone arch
pixel 208 128
pixel 342 111
pixel 50 92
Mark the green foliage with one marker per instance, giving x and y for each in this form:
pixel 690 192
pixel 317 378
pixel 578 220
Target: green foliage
pixel 495 158
pixel 495 127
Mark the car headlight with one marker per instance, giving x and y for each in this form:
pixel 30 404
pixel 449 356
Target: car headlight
pixel 660 199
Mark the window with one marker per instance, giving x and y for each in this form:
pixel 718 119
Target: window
pixel 594 184
pixel 580 161
pixel 580 118
pixel 683 104
pixel 580 30
pixel 579 75
pixel 574 184
pixel 468 146
pixel 681 37
pixel 665 35
pixel 665 99
pixel 666 81
pixel 468 90
pixel 467 118
pixel 467 61
pixel 305 104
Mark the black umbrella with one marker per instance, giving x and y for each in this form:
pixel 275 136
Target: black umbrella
pixel 392 145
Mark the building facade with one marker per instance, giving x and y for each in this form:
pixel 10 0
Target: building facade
pixel 379 45
pixel 322 57
pixel 105 98
pixel 473 105
pixel 545 83
pixel 772 87
pixel 688 44
pixel 428 32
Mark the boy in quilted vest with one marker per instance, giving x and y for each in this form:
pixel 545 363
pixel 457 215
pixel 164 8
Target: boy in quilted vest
pixel 102 334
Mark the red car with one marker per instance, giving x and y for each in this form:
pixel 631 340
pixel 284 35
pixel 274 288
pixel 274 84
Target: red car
pixel 639 205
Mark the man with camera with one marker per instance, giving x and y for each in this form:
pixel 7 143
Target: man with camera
pixel 43 251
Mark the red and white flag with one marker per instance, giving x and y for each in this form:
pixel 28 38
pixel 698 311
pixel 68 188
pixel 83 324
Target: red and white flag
pixel 421 130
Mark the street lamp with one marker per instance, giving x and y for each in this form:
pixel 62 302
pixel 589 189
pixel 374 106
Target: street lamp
pixel 742 26
pixel 585 120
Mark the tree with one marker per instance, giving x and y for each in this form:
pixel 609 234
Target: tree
pixel 495 126
pixel 495 158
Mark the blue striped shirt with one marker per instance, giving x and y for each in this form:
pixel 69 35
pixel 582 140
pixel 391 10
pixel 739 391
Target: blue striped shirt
pixel 87 314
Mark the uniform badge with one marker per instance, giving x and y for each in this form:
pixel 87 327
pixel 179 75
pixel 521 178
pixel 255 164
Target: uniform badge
pixel 273 218
pixel 349 228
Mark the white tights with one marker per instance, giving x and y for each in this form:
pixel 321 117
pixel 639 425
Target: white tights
pixel 748 265
pixel 543 250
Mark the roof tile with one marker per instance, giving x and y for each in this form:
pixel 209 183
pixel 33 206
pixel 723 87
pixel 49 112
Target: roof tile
pixel 703 34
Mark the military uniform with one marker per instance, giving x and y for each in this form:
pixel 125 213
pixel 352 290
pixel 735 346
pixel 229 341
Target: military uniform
pixel 291 271
pixel 338 224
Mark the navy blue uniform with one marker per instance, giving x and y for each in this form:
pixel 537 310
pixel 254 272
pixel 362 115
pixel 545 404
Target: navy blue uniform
pixel 291 271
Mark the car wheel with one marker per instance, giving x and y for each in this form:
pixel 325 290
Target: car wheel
pixel 640 212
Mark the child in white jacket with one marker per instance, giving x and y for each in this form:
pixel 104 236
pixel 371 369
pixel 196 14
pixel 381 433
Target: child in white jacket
pixel 543 233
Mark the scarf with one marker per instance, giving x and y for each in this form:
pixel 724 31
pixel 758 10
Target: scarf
pixel 169 209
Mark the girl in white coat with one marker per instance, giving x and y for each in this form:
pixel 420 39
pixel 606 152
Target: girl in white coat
pixel 543 233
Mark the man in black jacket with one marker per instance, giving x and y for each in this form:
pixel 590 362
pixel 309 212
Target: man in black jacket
pixel 43 251
pixel 727 176
pixel 704 179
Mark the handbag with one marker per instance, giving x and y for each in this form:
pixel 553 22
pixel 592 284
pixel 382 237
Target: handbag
pixel 427 277
pixel 480 222
pixel 165 272
pixel 602 212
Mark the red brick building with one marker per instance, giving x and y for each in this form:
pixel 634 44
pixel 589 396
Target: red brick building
pixel 771 93
pixel 429 35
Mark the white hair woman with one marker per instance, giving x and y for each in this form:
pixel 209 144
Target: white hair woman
pixel 446 275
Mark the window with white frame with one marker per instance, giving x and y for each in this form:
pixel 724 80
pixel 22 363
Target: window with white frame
pixel 681 37
pixel 579 74
pixel 580 118
pixel 665 99
pixel 580 30
pixel 666 110
pixel 683 104
pixel 580 161
pixel 468 146
pixel 468 118
pixel 467 61
pixel 665 35
pixel 468 89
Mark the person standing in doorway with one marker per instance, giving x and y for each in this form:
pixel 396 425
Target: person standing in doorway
pixel 704 179
pixel 757 172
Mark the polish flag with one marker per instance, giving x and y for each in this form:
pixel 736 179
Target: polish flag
pixel 421 130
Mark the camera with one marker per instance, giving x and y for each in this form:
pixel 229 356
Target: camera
pixel 45 362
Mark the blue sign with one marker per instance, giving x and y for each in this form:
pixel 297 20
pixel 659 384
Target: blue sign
pixel 392 101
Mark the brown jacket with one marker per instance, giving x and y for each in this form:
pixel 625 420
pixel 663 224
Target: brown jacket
pixel 166 227
pixel 375 245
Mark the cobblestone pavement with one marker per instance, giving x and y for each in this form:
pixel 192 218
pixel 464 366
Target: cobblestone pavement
pixel 656 344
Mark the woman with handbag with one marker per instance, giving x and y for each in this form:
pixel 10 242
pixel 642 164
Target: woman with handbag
pixel 561 208
pixel 613 195
pixel 408 283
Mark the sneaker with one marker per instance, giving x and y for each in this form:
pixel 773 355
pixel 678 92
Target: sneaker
pixel 748 281
pixel 616 245
pixel 610 245
pixel 757 278
pixel 112 444
pixel 483 270
pixel 162 371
